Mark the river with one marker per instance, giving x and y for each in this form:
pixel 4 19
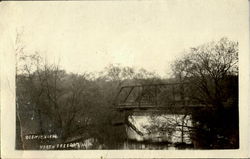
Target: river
pixel 149 132
pixel 159 132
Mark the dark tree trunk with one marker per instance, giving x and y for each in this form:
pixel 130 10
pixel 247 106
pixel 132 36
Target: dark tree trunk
pixel 19 141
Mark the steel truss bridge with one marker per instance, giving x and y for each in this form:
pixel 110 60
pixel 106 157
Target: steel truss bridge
pixel 171 98
pixel 157 97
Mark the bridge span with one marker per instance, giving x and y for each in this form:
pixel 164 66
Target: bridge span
pixel 154 99
pixel 171 97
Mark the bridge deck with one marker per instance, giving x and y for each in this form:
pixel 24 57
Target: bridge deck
pixel 159 107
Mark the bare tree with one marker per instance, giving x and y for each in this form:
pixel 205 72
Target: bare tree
pixel 18 53
pixel 212 73
pixel 206 67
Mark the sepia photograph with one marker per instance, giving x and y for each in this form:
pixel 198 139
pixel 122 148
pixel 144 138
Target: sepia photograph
pixel 125 75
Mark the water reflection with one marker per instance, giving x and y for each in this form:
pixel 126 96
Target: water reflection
pixel 172 131
pixel 148 132
pixel 131 144
pixel 159 131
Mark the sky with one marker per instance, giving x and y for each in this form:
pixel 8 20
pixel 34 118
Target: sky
pixel 88 36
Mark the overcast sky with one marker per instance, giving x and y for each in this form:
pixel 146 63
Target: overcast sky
pixel 87 36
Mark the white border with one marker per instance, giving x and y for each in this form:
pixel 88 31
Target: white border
pixel 7 102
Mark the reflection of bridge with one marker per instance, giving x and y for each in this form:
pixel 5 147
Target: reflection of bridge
pixel 163 97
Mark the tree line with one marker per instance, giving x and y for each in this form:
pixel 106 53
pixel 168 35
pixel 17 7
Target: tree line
pixel 80 106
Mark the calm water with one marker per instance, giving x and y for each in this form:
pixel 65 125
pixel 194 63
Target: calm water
pixel 159 132
pixel 155 132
